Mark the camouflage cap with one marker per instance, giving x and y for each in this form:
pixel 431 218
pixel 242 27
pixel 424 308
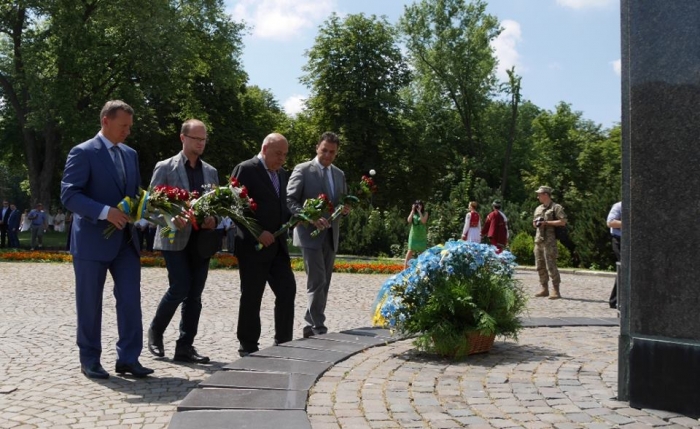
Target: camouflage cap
pixel 544 190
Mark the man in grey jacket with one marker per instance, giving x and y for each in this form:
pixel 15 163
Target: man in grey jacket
pixel 308 180
pixel 187 267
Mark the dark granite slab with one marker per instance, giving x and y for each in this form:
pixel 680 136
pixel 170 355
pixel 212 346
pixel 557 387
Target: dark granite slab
pixel 373 332
pixel 263 364
pixel 245 399
pixel 259 380
pixel 303 354
pixel 320 344
pixel 589 321
pixel 665 375
pixel 556 322
pixel 358 339
pixel 542 322
pixel 225 419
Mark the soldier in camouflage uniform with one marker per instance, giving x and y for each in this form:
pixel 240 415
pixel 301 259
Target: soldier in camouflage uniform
pixel 548 215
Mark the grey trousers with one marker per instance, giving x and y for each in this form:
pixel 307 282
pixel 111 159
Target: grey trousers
pixel 37 235
pixel 318 264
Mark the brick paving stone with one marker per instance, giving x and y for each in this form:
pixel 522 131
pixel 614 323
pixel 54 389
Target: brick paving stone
pixel 534 383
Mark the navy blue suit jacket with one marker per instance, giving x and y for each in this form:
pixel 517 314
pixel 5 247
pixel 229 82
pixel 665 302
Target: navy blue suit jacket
pixel 90 181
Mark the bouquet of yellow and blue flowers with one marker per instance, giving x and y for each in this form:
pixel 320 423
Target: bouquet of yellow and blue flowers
pixel 450 292
pixel 158 205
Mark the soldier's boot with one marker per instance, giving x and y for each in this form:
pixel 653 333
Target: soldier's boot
pixel 555 294
pixel 543 292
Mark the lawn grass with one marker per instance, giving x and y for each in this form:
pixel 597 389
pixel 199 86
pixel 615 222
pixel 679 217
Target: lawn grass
pixel 52 240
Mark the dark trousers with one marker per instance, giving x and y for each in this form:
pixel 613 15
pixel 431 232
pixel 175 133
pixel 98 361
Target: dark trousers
pixel 255 270
pixel 90 277
pixel 3 235
pixel 13 238
pixel 616 248
pixel 187 275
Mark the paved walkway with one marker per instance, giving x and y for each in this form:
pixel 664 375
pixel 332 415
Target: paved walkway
pixel 553 377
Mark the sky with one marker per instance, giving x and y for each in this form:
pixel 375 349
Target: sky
pixel 565 50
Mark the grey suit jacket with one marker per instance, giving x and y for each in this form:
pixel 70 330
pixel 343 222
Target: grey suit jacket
pixel 171 172
pixel 306 182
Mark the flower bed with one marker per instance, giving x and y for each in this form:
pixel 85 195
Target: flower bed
pixel 219 261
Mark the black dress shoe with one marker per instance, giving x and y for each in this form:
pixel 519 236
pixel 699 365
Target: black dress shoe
pixel 189 355
pixel 94 370
pixel 155 344
pixel 244 352
pixel 136 369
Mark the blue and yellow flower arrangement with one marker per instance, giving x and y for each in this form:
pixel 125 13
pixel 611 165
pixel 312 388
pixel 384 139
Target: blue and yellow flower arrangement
pixel 451 293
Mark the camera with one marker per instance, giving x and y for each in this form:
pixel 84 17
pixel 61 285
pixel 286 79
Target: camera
pixel 539 221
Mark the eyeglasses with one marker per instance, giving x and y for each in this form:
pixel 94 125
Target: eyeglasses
pixel 199 139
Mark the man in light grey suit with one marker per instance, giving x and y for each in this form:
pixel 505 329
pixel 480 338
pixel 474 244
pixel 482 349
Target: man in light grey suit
pixel 308 180
pixel 187 267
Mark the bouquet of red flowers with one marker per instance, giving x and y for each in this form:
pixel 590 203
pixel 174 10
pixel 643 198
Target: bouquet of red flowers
pixel 311 211
pixel 157 205
pixel 231 200
pixel 358 193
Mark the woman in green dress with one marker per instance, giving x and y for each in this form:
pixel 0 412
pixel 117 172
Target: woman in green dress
pixel 418 237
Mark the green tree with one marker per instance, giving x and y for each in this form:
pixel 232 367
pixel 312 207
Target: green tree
pixel 60 60
pixel 355 71
pixel 449 42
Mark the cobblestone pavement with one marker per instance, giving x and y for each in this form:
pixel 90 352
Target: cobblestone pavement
pixel 553 377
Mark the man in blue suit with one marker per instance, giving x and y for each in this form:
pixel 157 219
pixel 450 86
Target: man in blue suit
pixel 98 174
pixel 13 226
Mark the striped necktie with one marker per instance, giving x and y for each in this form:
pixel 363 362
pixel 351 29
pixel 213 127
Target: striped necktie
pixel 118 163
pixel 275 181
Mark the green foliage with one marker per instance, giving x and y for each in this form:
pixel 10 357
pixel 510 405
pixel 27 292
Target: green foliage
pixel 373 232
pixel 451 291
pixel 450 46
pixel 523 247
pixel 355 71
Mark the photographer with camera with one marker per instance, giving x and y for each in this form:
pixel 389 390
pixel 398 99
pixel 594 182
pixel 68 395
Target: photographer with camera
pixel 548 216
pixel 418 237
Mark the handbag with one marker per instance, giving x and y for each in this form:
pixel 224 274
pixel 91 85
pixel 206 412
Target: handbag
pixel 208 242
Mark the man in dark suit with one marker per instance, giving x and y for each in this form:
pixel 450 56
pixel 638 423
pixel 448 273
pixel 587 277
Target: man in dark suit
pixel 187 267
pixel 4 217
pixel 98 174
pixel 318 176
pixel 13 221
pixel 266 182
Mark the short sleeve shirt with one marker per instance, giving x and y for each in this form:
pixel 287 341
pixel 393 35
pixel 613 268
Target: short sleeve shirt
pixel 553 211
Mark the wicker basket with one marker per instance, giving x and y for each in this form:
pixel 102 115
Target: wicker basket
pixel 479 343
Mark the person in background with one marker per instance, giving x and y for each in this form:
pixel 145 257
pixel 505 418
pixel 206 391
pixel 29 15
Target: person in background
pixel 266 182
pixel 548 215
pixel 59 221
pixel 472 224
pixel 418 236
pixel 615 225
pixel 4 217
pixel 221 228
pixel 13 222
pixel 69 226
pixel 37 217
pixel 141 231
pixel 496 227
pixel 49 221
pixel 99 173
pixel 308 180
pixel 25 222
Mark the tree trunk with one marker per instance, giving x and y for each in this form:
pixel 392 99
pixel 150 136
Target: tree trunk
pixel 42 158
